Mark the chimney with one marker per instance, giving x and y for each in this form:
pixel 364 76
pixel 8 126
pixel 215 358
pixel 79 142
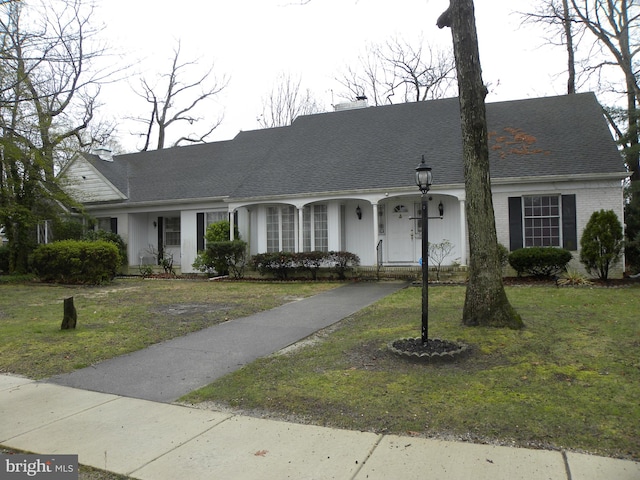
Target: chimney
pixel 361 102
pixel 104 153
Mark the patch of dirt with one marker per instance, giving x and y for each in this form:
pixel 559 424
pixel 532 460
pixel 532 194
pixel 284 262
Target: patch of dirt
pixel 431 346
pixel 191 309
pixel 106 292
pixel 311 340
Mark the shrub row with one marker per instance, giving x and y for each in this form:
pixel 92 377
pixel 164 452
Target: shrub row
pixel 71 261
pixel 282 265
pixel 540 261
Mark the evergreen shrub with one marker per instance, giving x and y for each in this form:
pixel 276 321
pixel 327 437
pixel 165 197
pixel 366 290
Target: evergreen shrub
pixel 601 243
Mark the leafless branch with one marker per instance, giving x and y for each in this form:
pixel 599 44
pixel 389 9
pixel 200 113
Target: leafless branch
pixel 173 101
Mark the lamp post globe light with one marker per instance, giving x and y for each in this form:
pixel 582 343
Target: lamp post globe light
pixel 424 179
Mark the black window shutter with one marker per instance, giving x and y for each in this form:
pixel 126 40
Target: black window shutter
pixel 569 227
pixel 199 232
pixel 515 223
pixel 160 239
pixel 114 225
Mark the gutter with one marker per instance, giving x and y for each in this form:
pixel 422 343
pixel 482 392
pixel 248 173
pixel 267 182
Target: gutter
pixel 451 186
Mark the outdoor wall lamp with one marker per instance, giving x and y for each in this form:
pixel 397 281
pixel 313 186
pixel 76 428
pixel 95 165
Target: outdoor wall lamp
pixel 359 212
pixel 441 209
pixel 155 224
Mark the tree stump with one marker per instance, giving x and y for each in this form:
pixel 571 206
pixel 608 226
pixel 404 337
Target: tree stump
pixel 70 315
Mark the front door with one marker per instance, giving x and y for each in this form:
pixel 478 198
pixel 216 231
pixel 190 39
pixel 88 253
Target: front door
pixel 401 233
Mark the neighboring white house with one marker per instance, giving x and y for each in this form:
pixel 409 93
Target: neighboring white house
pixel 345 181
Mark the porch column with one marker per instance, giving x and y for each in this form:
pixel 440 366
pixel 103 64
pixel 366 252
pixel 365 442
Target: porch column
pixel 300 229
pixel 375 231
pixel 463 233
pixel 232 232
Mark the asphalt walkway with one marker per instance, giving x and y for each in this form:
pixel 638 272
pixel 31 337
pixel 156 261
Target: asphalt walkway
pixel 166 371
pixel 108 429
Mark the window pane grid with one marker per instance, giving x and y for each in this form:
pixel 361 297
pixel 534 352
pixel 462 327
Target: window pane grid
pixel 542 221
pixel 288 229
pixel 215 217
pixel 273 229
pixel 172 231
pixel 320 229
pixel 306 229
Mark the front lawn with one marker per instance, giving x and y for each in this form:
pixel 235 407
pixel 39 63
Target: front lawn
pixel 124 316
pixel 570 379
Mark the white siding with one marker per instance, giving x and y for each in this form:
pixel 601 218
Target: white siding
pixel 188 231
pixel 86 185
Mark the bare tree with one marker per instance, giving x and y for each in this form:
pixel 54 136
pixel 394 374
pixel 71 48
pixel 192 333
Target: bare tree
pixel 559 19
pixel 368 79
pixel 48 95
pixel 616 27
pixel 172 101
pixel 401 72
pixel 49 78
pixel 286 102
pixel 486 302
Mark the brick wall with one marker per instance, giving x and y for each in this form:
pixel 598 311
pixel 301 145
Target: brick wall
pixel 590 197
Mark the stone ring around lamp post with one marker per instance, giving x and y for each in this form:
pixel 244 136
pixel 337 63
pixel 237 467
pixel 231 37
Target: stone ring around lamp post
pixel 434 351
pixel 423 348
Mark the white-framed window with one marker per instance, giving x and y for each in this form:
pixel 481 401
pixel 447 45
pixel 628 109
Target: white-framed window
pixel 315 228
pixel 281 228
pixel 542 221
pixel 172 231
pixel 215 217
pixel 104 223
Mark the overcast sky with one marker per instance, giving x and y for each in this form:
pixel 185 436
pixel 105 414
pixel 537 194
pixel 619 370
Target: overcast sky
pixel 253 41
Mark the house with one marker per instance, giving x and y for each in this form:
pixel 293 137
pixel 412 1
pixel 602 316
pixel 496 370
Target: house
pixel 344 180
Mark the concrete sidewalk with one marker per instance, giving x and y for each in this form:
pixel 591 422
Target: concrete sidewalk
pixel 166 371
pixel 157 441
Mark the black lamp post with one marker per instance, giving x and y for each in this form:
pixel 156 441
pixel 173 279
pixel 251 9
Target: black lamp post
pixel 423 180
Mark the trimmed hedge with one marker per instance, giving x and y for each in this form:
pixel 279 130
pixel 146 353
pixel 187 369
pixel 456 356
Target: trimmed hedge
pixel 76 262
pixel 278 264
pixel 311 262
pixel 342 262
pixel 540 261
pixel 284 264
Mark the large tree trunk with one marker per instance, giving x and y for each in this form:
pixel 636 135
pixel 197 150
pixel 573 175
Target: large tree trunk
pixel 486 302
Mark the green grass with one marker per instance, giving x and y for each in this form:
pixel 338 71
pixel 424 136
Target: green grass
pixel 570 379
pixel 121 317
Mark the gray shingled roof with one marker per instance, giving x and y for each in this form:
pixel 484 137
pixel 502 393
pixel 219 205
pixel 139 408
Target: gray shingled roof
pixel 376 147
